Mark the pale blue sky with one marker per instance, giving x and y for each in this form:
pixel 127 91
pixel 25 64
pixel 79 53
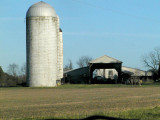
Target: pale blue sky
pixel 122 29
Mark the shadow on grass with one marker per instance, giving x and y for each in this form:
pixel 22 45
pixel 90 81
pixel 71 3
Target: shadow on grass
pixel 95 117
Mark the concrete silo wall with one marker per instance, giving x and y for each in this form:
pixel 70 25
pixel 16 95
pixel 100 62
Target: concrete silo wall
pixel 41 33
pixel 60 53
pixel 60 63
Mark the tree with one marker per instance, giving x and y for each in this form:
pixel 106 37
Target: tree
pixel 13 69
pixel 22 75
pixel 152 62
pixel 1 71
pixel 68 66
pixel 83 61
pixel 2 77
pixel 14 77
pixel 2 74
pixel 23 70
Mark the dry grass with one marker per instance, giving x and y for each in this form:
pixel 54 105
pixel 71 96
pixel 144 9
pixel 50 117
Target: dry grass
pixel 71 102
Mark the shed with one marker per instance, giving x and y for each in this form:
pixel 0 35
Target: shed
pixel 105 62
pixel 77 76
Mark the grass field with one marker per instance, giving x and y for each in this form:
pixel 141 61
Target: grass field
pixel 79 101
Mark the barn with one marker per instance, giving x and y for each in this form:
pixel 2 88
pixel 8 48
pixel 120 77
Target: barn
pixel 104 69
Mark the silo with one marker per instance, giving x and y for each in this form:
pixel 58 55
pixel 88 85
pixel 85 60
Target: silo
pixel 60 55
pixel 41 42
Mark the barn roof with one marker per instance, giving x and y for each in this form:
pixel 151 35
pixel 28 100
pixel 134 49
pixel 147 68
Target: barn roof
pixel 105 59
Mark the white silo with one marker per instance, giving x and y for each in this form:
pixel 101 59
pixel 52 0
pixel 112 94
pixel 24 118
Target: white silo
pixel 60 56
pixel 42 28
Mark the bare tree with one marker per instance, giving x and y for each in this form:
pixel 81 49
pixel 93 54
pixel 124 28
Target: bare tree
pixel 22 75
pixel 83 61
pixel 13 69
pixel 69 65
pixel 23 70
pixel 152 61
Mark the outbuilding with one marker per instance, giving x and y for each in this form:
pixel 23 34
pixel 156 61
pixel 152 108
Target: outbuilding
pixel 104 69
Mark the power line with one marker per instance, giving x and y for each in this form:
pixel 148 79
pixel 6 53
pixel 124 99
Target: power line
pixel 114 11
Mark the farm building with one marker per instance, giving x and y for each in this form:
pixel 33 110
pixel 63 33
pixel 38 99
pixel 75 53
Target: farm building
pixel 127 72
pixel 105 62
pixel 80 75
pixel 104 70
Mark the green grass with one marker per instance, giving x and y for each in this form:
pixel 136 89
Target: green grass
pixel 107 85
pixel 70 86
pixel 142 114
pixel 79 101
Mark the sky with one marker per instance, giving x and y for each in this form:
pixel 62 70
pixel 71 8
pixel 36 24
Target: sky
pixel 122 29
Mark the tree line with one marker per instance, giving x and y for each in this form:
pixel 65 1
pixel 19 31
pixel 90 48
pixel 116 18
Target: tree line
pixel 14 76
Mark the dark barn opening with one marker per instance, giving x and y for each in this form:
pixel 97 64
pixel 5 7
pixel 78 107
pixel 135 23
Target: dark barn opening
pixel 116 66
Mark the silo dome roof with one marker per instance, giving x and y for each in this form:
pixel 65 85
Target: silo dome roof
pixel 41 9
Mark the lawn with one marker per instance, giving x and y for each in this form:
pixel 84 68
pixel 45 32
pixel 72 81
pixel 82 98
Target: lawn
pixel 79 101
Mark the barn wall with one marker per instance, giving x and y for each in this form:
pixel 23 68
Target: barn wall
pixel 80 75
